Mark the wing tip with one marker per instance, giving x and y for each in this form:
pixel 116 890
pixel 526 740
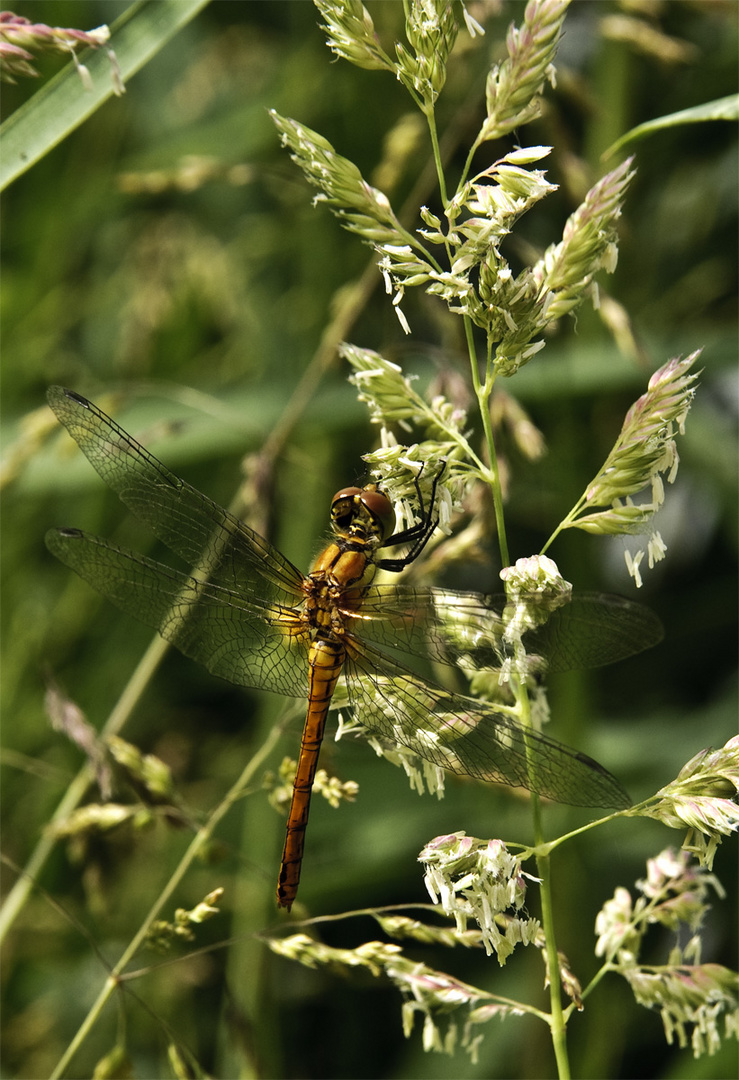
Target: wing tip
pixel 608 793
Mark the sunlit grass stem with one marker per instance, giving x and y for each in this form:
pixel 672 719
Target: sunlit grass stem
pixel 202 836
pixel 76 791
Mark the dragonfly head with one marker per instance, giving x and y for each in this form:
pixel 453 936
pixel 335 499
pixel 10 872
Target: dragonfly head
pixel 365 512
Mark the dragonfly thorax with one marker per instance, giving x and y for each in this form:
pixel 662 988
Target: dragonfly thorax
pixel 366 513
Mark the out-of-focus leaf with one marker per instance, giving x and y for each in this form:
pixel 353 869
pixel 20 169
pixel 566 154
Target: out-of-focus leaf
pixel 726 108
pixel 63 103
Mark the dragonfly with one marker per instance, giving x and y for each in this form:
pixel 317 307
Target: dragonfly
pixel 245 612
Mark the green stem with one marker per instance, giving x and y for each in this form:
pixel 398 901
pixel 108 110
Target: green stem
pixel 549 847
pixel 468 165
pixel 202 836
pixel 604 970
pixel 557 1020
pixel 431 121
pixel 483 392
pixel 565 523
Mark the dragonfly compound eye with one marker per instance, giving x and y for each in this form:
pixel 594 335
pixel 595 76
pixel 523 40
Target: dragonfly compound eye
pixel 344 507
pixel 380 507
pixel 365 507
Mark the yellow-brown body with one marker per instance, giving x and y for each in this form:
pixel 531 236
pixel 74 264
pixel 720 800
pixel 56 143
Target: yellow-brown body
pixel 337 583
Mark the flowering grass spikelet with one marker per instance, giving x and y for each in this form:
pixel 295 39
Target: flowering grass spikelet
pixel 686 992
pixel 360 208
pixel 162 934
pixel 146 772
pixel 480 879
pixel 372 955
pixel 391 399
pixel 351 34
pixel 588 244
pixel 18 35
pixel 690 996
pixel 431 31
pixel 613 926
pixel 537 576
pixel 279 787
pixel 100 818
pixel 644 453
pixel 513 87
pixel 399 926
pixel 702 796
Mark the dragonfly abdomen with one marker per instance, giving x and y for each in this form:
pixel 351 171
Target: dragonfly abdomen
pixel 325 661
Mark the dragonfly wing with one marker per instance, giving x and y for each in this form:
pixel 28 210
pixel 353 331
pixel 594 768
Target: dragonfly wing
pixel 439 624
pixel 590 630
pixel 248 642
pixel 468 736
pixel 223 548
pixel 593 630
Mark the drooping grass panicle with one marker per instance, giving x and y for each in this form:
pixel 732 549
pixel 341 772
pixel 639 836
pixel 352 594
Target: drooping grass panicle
pixel 645 453
pixel 433 994
pixel 479 879
pixel 692 999
pixel 19 35
pixel 372 955
pixel 689 994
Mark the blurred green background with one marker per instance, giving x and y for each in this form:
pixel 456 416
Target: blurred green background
pixel 165 260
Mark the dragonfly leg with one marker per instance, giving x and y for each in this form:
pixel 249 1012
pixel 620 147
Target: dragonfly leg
pixel 418 535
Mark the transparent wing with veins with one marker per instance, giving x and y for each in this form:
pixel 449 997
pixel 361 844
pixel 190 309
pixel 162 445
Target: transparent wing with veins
pixel 236 614
pixel 240 637
pixel 224 550
pixel 470 737
pixel 590 630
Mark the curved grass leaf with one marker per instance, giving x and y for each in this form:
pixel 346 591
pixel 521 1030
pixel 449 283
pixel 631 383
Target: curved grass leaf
pixel 63 103
pixel 726 108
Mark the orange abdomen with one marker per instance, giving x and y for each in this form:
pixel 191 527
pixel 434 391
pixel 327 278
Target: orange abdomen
pixel 325 661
